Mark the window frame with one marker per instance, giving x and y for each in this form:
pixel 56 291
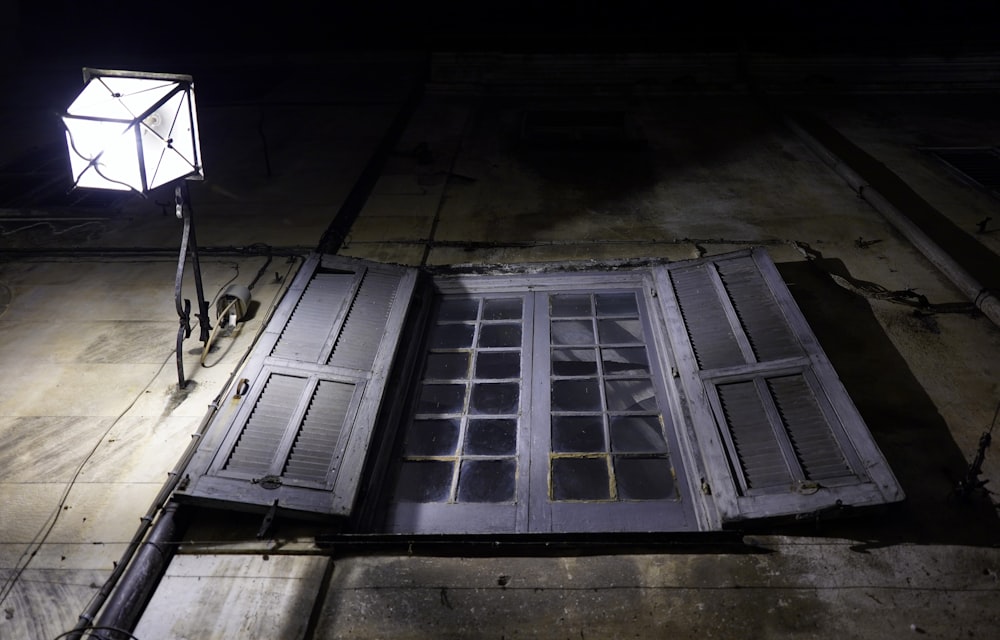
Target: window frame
pixel 532 517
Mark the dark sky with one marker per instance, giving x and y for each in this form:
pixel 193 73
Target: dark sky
pixel 118 26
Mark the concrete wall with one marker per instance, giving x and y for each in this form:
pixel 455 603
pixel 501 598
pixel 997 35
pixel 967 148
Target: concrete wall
pixel 94 422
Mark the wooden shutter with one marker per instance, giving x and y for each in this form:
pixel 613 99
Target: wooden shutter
pixel 300 431
pixel 774 429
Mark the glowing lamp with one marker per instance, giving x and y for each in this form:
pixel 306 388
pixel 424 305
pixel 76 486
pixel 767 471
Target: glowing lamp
pixel 133 130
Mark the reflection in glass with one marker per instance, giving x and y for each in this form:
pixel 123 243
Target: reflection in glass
pixel 625 360
pixel 572 332
pixel 627 331
pixel 578 434
pixel 431 438
pixel 486 481
pixel 424 481
pixel 576 395
pixel 637 434
pixel 574 362
pixel 616 304
pixel 630 395
pixel 491 437
pixel 580 479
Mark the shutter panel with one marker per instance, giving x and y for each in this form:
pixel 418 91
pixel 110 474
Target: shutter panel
pixel 774 430
pixel 301 432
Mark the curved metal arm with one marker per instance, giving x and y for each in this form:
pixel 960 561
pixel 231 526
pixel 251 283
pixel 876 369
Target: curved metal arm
pixel 189 244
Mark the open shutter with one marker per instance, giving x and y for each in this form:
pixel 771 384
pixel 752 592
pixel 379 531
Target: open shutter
pixel 298 434
pixel 776 431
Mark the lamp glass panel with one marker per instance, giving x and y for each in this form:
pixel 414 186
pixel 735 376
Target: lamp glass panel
pixel 168 142
pixel 102 154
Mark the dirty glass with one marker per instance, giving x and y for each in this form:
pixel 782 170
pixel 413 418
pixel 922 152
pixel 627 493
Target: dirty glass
pixel 491 437
pixel 486 481
pixel 578 434
pixel 580 479
pixel 644 478
pixel 424 481
pixel 461 444
pixel 432 438
pixel 495 365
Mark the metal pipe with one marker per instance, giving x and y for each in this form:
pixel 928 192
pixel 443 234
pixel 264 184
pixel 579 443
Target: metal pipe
pixel 983 298
pixel 86 618
pixel 128 600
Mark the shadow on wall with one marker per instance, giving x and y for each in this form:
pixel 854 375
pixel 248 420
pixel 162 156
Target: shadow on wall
pixel 902 418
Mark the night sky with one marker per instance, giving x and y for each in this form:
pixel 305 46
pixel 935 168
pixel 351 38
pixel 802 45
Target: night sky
pixel 782 26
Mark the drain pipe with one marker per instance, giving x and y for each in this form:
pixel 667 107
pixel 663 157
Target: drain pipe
pixel 983 298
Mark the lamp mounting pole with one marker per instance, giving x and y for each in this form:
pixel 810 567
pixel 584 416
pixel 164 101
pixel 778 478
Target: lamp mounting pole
pixel 189 245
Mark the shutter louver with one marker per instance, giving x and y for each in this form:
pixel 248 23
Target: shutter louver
pixel 309 326
pixel 704 317
pixel 357 344
pixel 809 432
pixel 254 451
pixel 757 449
pixel 312 452
pixel 300 433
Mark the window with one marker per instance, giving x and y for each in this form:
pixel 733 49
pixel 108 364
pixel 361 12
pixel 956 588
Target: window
pixel 540 406
pixel 677 397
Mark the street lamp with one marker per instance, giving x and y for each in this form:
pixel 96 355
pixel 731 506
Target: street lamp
pixel 135 131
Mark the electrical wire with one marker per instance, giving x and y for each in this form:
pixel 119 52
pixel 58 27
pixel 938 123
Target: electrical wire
pixel 40 538
pixel 35 545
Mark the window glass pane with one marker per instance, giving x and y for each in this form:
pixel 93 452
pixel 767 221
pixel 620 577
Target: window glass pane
pixel 644 478
pixel 431 438
pixel 571 332
pixel 620 331
pixel 491 437
pixel 576 395
pixel 625 360
pixel 451 336
pixel 424 481
pixel 446 366
pixel 495 398
pixel 574 362
pixel 452 309
pixel 637 434
pixel 486 481
pixel 500 335
pixel 441 398
pixel 616 304
pixel 498 364
pixel 580 479
pixel 578 434
pixel 630 395
pixel 570 305
pixel 502 309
